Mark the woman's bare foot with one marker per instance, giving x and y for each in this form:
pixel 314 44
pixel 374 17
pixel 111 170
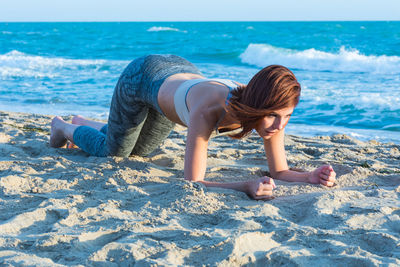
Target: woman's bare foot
pixel 80 120
pixel 57 138
pixel 70 145
pixel 77 120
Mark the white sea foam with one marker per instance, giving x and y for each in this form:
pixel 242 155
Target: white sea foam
pixel 163 29
pixel 326 130
pixel 18 64
pixel 385 101
pixel 61 109
pixel 315 60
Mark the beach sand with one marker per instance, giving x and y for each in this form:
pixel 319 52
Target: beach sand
pixel 62 207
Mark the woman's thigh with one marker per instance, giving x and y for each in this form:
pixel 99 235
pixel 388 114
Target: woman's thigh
pixel 155 130
pixel 127 112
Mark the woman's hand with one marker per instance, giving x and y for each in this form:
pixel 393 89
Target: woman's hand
pixel 261 188
pixel 323 175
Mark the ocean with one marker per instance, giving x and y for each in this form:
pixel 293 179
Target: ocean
pixel 349 71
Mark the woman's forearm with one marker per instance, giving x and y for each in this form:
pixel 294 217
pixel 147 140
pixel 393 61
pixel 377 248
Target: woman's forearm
pixel 293 176
pixel 238 186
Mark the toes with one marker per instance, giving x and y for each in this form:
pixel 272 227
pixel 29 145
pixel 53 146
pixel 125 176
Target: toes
pixel 57 138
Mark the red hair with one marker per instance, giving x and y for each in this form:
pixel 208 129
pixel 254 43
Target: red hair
pixel 272 88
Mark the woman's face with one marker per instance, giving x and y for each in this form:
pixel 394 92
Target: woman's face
pixel 274 122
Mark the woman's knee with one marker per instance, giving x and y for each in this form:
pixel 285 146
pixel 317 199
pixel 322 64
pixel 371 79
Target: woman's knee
pixel 118 152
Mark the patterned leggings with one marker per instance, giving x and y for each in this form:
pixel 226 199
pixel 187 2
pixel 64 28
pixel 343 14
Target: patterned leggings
pixel 136 124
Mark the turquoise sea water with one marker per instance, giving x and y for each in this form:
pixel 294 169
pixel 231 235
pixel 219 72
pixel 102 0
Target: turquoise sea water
pixel 349 71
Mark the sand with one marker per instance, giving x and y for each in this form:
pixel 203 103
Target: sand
pixel 62 207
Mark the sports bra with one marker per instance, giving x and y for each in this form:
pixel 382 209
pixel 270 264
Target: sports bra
pixel 181 93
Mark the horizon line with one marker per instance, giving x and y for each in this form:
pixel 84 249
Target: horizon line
pixel 176 21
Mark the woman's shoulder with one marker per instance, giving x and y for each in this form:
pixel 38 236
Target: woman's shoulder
pixel 210 92
pixel 207 98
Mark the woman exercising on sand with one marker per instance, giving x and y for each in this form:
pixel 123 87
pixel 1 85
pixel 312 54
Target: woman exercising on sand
pixel 156 91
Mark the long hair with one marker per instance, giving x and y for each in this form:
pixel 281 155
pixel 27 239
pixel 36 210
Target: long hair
pixel 272 88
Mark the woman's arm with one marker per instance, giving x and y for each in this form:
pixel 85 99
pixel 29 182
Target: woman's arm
pixel 257 189
pixel 199 131
pixel 200 128
pixel 323 175
pixel 276 156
